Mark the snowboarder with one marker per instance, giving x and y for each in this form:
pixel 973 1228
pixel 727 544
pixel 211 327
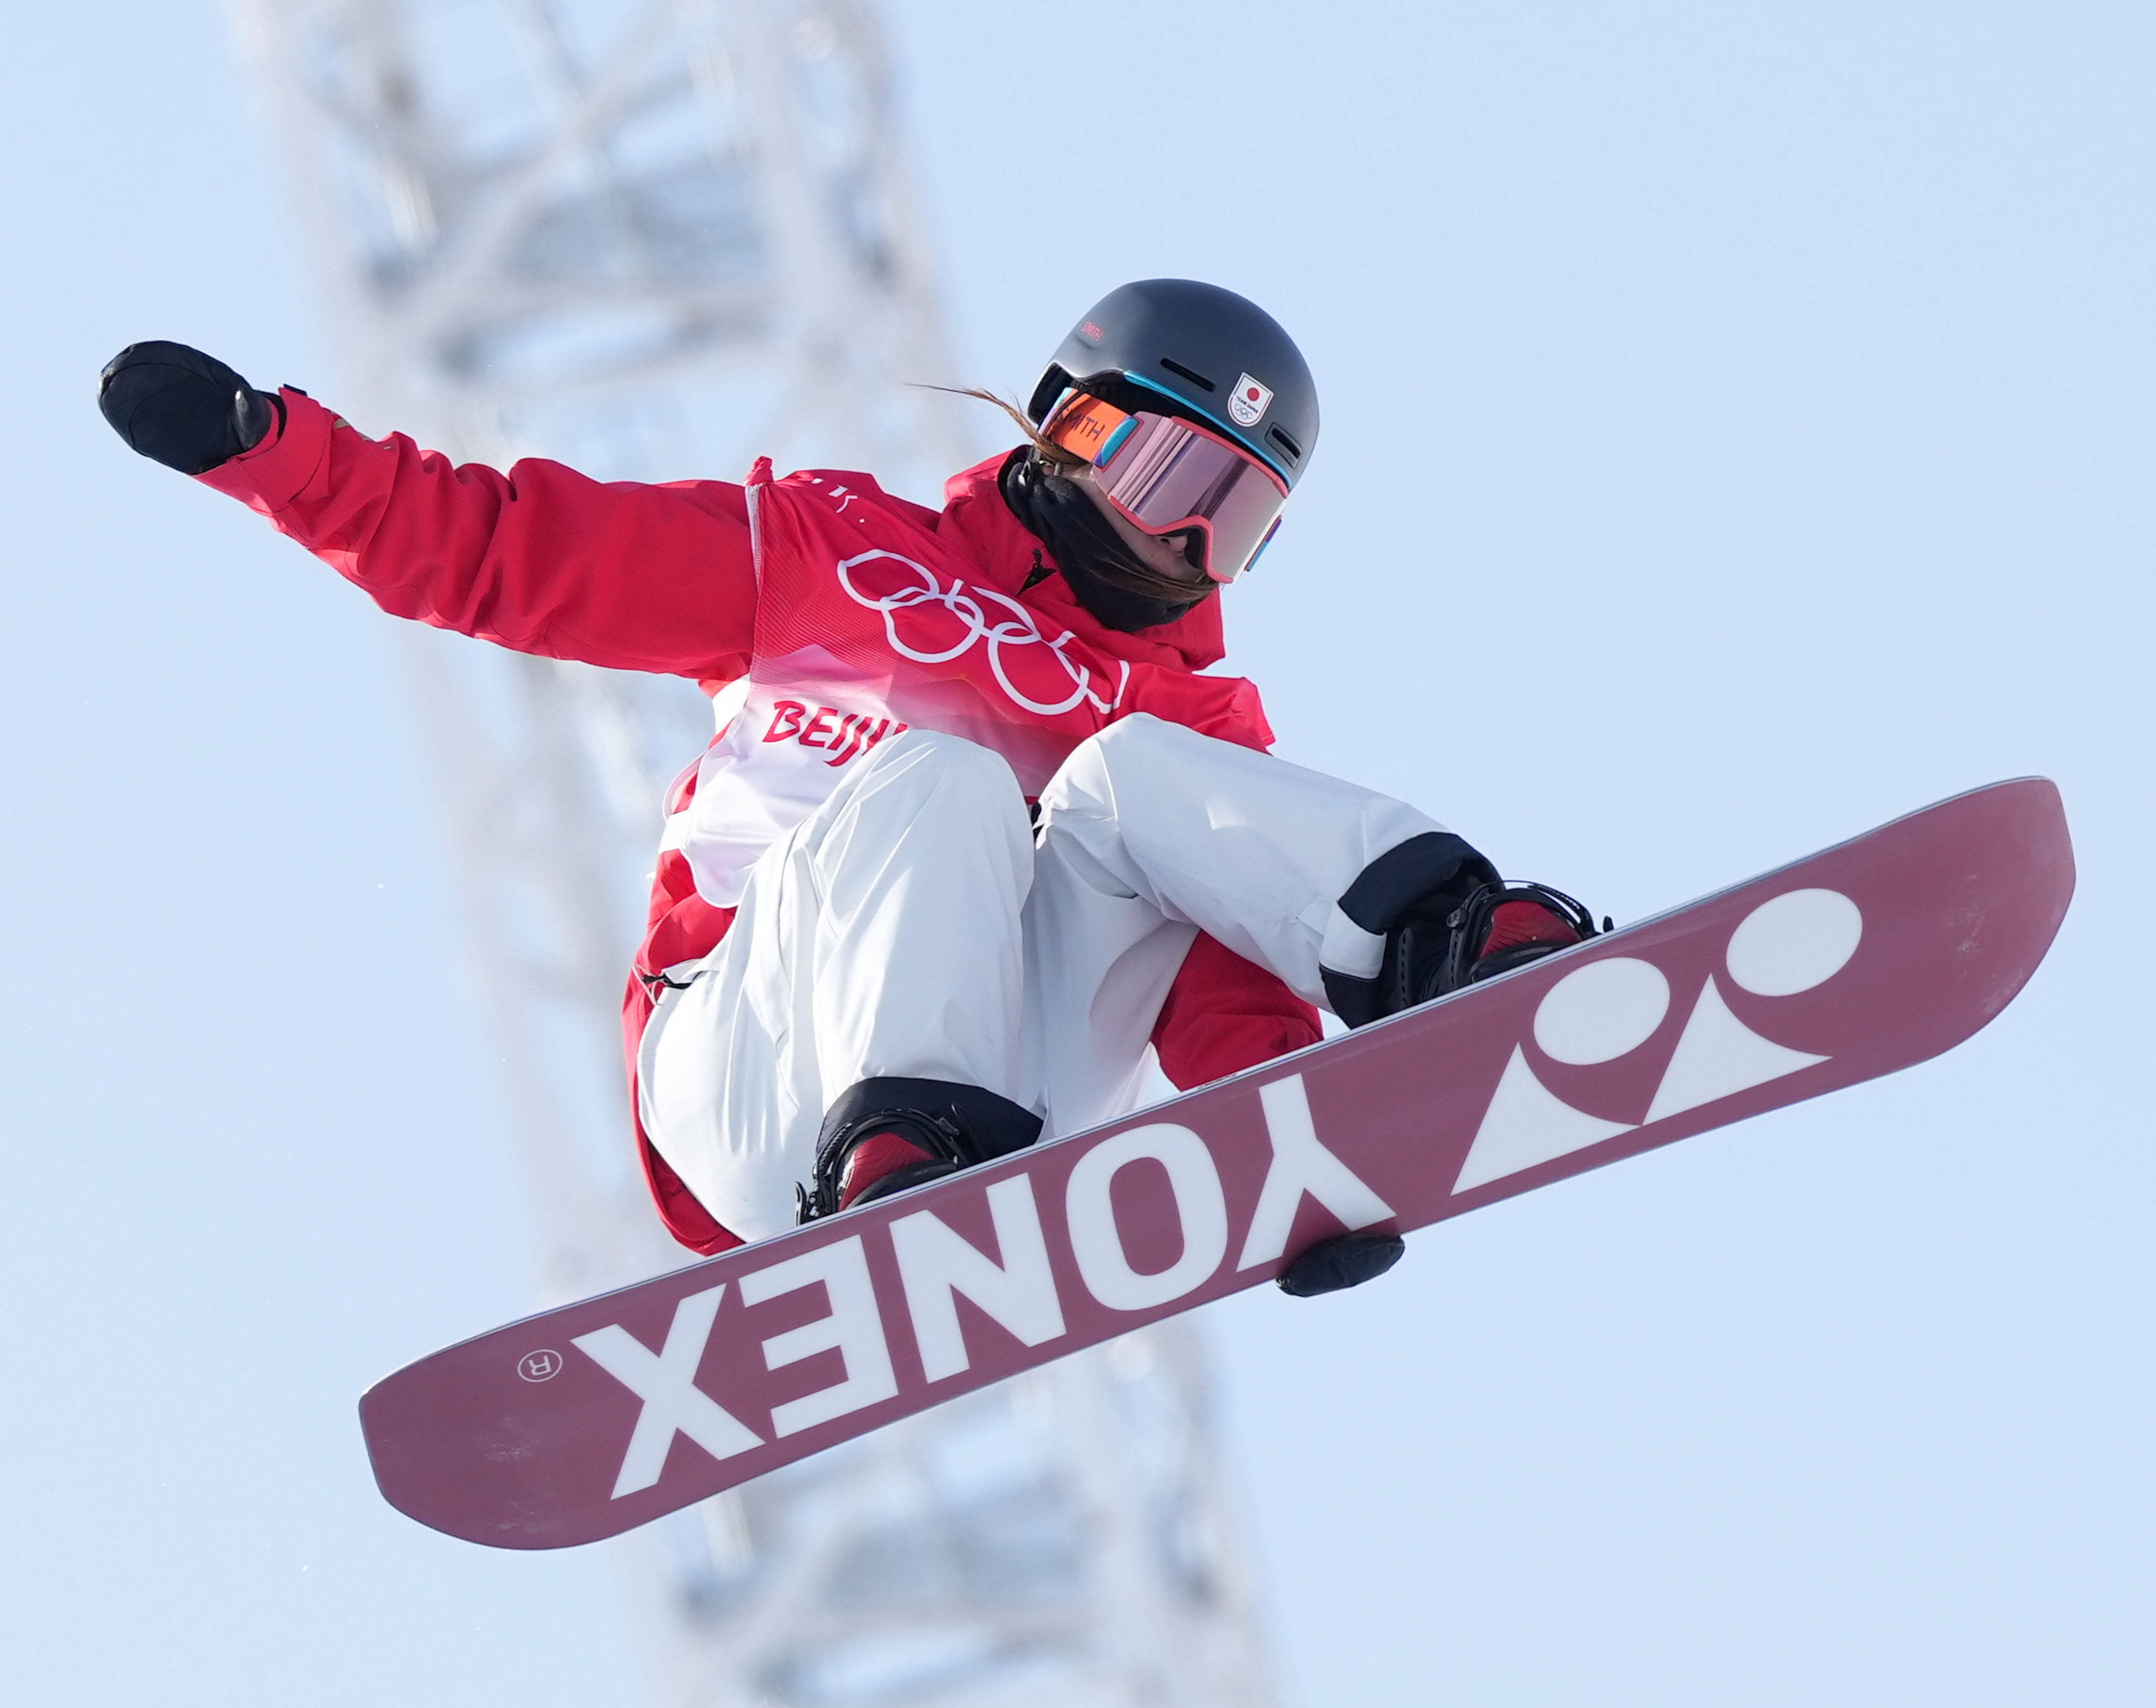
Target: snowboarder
pixel 974 832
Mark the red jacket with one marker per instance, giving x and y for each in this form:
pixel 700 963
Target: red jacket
pixel 665 578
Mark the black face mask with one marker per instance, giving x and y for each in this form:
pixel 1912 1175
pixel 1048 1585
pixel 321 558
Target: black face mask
pixel 1116 588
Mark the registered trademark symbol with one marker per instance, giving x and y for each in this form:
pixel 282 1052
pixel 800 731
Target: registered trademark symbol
pixel 541 1365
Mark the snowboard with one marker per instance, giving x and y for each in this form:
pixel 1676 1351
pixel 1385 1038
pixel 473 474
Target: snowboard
pixel 1872 956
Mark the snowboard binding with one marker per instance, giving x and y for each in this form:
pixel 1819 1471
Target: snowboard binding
pixel 1429 916
pixel 884 1136
pixel 1500 925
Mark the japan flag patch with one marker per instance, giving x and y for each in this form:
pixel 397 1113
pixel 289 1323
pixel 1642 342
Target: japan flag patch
pixel 1248 401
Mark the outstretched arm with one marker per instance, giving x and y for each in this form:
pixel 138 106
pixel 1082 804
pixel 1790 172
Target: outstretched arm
pixel 541 559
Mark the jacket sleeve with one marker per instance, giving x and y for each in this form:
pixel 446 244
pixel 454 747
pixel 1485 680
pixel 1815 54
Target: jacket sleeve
pixel 1224 1015
pixel 542 559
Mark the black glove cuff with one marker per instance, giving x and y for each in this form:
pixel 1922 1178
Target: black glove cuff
pixel 256 415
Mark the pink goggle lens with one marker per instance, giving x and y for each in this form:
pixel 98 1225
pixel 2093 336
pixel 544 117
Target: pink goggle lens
pixel 1167 475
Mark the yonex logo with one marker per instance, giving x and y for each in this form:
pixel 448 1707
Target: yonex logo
pixel 1017 1288
pixel 1607 1009
pixel 666 1383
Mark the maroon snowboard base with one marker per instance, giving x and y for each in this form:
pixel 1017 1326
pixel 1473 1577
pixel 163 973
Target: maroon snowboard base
pixel 1871 956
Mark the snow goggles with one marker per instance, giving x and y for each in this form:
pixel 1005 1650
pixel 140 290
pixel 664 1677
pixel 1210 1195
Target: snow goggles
pixel 1167 475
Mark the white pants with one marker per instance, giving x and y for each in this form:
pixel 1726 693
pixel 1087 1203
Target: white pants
pixel 914 925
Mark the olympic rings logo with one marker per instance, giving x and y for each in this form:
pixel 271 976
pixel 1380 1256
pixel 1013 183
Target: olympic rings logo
pixel 1017 629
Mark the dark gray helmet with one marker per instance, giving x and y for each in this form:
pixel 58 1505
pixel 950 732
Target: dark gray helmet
pixel 1216 356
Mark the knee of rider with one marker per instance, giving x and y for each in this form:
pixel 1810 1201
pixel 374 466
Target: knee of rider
pixel 1124 775
pixel 1080 827
pixel 1085 784
pixel 1138 740
pixel 930 762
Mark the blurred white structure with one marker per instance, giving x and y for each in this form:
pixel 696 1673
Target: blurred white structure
pixel 651 239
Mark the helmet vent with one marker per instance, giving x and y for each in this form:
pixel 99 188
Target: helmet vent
pixel 1294 450
pixel 1196 379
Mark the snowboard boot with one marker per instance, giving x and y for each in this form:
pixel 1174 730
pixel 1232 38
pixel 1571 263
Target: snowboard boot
pixel 883 1135
pixel 1430 916
pixel 1500 925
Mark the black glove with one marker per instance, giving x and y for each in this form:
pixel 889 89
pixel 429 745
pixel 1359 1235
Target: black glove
pixel 185 409
pixel 1346 1260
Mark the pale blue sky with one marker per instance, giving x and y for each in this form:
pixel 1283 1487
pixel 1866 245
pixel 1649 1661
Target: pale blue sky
pixel 1738 432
